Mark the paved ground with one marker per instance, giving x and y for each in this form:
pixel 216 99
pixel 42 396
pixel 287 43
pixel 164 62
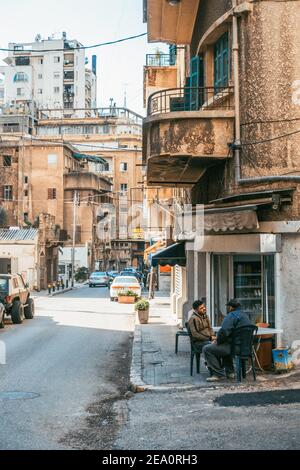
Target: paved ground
pixel 197 420
pixel 74 360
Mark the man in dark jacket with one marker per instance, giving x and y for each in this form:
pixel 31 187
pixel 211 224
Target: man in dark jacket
pixel 218 354
pixel 199 326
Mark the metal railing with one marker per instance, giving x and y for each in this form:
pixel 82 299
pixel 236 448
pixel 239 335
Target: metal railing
pixel 160 60
pixel 190 99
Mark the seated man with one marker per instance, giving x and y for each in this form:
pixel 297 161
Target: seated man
pixel 199 326
pixel 218 354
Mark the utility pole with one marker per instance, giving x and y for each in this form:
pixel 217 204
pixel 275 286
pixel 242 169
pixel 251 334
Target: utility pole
pixel 75 204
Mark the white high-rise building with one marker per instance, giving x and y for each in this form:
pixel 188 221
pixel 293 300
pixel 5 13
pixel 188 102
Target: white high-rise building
pixel 48 74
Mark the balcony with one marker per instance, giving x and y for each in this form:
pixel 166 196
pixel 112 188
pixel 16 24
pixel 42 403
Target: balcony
pixel 160 60
pixel 187 130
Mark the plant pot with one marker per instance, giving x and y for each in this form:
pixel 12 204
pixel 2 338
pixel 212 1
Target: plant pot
pixel 143 316
pixel 126 299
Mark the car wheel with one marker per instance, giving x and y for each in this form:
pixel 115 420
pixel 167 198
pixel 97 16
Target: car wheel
pixel 29 310
pixel 17 312
pixel 2 324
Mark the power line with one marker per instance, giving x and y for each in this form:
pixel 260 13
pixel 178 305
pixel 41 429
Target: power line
pixel 108 43
pixel 245 144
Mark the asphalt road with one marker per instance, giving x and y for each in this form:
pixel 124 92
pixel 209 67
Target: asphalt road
pixel 66 373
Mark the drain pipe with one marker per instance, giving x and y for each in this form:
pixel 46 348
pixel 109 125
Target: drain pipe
pixel 237 143
pixel 236 79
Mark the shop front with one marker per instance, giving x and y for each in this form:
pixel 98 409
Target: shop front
pixel 249 278
pixel 241 266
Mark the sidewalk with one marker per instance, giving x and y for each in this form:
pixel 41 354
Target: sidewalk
pixel 45 293
pixel 156 367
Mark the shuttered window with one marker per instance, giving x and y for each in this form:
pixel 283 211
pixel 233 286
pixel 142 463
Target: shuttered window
pixel 221 61
pixel 51 193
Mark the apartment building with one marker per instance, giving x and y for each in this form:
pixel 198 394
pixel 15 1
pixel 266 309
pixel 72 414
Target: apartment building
pixel 49 73
pixel 38 183
pixel 230 137
pixel 114 134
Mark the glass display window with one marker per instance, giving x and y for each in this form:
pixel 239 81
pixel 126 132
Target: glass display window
pixel 248 278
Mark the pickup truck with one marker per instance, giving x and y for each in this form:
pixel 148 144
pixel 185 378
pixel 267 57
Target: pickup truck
pixel 15 297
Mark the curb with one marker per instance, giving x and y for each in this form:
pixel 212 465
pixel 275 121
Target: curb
pixel 62 291
pixel 136 382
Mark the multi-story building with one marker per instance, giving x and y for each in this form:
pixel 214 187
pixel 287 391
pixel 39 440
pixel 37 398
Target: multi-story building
pixel 2 89
pixel 116 135
pixel 49 73
pixel 231 137
pixel 38 184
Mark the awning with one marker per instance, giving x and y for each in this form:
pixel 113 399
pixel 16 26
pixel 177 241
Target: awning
pixel 89 158
pixel 231 221
pixel 172 255
pixel 153 249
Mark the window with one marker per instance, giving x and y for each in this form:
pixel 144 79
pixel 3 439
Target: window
pixel 52 159
pixel 78 234
pixel 106 167
pixel 22 61
pixel 20 91
pixel 25 216
pixel 41 61
pixel 124 187
pixel 20 77
pixel 40 91
pixel 26 179
pixel 56 89
pixel 7 193
pixel 26 193
pixel 40 76
pixel 6 160
pixel 123 166
pixel 221 62
pixel 56 75
pixel 250 279
pixel 56 60
pixel 51 193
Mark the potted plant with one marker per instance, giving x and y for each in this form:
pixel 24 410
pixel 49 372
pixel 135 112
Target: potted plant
pixel 127 297
pixel 142 307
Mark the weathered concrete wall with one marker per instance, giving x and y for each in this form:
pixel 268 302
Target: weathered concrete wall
pixel 209 12
pixel 194 137
pixel 158 78
pixel 270 87
pixel 289 292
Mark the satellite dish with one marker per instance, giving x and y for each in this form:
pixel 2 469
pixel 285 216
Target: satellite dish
pixel 38 38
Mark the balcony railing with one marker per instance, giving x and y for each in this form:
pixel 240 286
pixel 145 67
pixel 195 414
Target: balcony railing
pixel 190 99
pixel 160 60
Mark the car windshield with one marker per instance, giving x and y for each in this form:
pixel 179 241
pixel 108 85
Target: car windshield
pixel 3 286
pixel 98 274
pixel 125 280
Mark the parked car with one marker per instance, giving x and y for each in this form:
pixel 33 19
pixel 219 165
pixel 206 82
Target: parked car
pixel 129 273
pixel 99 279
pixel 122 283
pixel 113 274
pixel 15 297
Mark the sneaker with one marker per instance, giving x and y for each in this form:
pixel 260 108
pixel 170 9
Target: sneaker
pixel 214 378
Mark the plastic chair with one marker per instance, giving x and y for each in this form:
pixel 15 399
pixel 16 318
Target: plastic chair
pixel 179 333
pixel 194 352
pixel 242 348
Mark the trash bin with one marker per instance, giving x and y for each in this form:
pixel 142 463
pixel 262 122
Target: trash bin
pixel 282 358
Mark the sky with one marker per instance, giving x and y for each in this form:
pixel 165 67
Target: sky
pixel 120 66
